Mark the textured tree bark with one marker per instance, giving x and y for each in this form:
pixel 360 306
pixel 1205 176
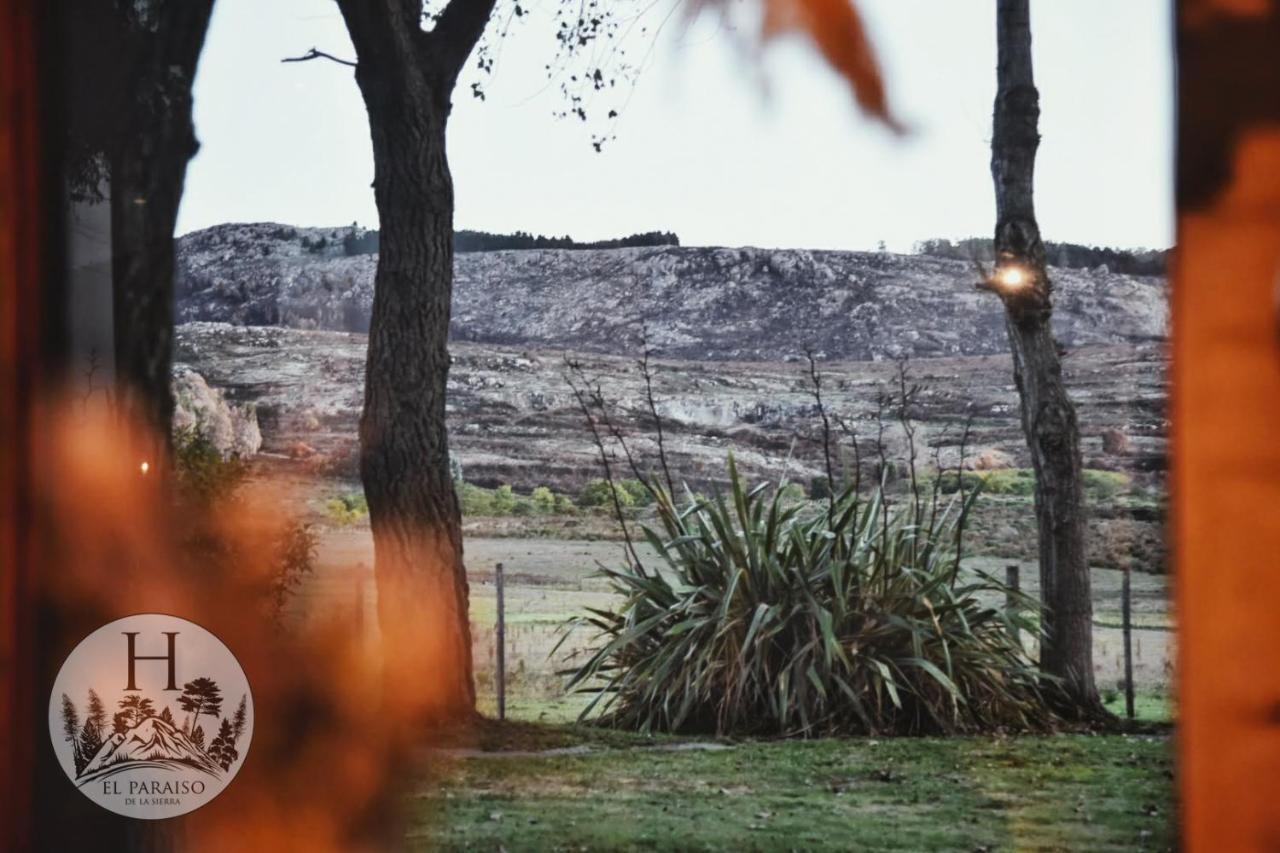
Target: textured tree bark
pixel 1048 416
pixel 406 76
pixel 148 167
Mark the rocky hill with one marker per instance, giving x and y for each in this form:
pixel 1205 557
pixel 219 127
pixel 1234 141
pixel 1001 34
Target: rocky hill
pixel 697 303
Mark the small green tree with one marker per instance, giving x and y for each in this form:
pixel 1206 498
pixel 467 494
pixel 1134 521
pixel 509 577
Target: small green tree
pixel 639 495
pixel 543 500
pixel 597 493
pixel 504 500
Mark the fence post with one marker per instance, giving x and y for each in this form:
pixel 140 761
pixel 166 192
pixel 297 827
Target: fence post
pixel 1013 585
pixel 1128 646
pixel 501 675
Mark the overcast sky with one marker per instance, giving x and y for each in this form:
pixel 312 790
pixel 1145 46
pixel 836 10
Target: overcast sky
pixel 711 144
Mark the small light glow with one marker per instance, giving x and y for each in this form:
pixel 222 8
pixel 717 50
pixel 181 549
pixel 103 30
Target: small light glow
pixel 145 467
pixel 1012 276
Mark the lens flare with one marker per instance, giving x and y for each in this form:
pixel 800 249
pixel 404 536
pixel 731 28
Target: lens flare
pixel 1012 277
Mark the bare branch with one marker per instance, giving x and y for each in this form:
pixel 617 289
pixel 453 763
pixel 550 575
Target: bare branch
pixel 588 400
pixel 647 373
pixel 319 54
pixel 816 382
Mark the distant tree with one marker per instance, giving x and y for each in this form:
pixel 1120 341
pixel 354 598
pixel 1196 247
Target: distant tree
pixel 201 696
pixel 197 737
pixel 71 731
pixel 121 722
pixel 167 716
pixel 1149 262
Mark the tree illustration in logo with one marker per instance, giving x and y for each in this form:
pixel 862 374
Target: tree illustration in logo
pixel 201 696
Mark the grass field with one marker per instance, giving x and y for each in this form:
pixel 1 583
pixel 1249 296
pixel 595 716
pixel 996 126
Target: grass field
pixel 1075 792
pixel 598 790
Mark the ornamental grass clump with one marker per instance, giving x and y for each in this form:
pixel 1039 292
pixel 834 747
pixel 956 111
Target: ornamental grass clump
pixel 851 616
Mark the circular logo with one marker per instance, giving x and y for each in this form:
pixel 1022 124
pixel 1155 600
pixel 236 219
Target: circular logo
pixel 151 716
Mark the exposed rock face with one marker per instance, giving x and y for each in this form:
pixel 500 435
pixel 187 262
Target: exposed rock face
pixel 231 429
pixel 513 419
pixel 698 303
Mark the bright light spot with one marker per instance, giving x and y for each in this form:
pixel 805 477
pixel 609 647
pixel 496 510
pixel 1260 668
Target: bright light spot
pixel 145 467
pixel 1012 276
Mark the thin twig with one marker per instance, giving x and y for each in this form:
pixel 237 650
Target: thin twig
pixel 816 382
pixel 586 404
pixel 653 410
pixel 320 54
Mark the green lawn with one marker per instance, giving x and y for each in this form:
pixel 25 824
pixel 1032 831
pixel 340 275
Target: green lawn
pixel 1076 792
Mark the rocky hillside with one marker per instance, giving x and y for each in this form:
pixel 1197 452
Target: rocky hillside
pixel 697 303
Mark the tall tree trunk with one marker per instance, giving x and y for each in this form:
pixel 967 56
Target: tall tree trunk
pixel 148 169
pixel 1048 416
pixel 407 76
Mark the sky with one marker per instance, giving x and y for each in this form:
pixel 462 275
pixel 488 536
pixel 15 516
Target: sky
pixel 715 141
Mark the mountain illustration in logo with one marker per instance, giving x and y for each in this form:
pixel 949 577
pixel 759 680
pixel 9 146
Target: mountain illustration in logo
pixel 142 739
pixel 153 742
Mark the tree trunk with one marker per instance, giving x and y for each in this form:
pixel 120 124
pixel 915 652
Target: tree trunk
pixel 1048 416
pixel 148 169
pixel 406 76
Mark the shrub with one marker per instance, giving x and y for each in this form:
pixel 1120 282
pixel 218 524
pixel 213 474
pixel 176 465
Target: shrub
pixel 1101 485
pixel 596 494
pixel 785 619
pixel 543 500
pixel 565 505
pixel 637 492
pixel 347 509
pixel 1009 481
pixel 202 474
pixel 1098 485
pixel 819 488
pixel 504 500
pixel 473 499
pixel 791 492
pixel 295 557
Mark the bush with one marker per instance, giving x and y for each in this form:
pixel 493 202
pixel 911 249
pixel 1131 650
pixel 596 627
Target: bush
pixel 543 500
pixel 1098 485
pixel 1101 485
pixel 767 619
pixel 597 494
pixel 819 488
pixel 347 509
pixel 504 500
pixel 202 474
pixel 791 492
pixel 1009 481
pixel 473 499
pixel 637 491
pixel 295 557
